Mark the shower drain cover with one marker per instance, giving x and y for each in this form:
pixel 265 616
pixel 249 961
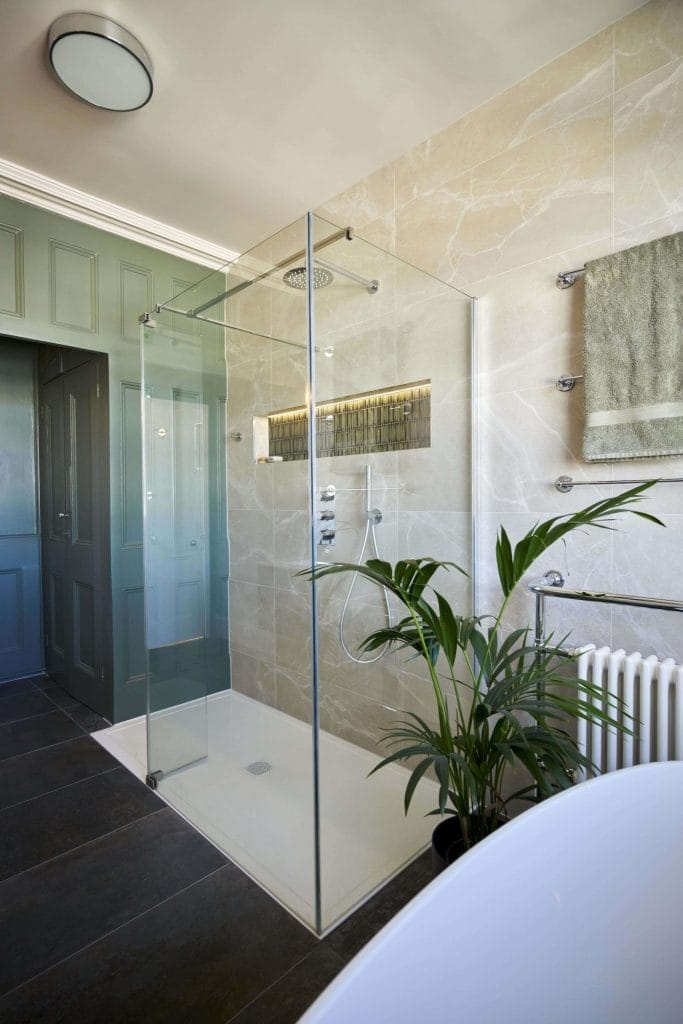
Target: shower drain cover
pixel 258 767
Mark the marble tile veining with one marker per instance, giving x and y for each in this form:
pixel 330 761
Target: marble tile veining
pixel 548 96
pixel 513 209
pixel 646 39
pixel 648 142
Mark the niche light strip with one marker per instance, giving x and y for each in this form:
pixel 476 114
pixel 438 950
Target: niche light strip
pixel 388 419
pixel 350 401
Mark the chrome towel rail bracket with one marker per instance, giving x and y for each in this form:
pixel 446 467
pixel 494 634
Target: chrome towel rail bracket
pixel 567 381
pixel 566 278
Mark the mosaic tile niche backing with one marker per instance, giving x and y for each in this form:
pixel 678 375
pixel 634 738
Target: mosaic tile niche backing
pixel 390 419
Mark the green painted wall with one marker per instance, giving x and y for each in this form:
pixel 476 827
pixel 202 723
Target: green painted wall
pixel 68 284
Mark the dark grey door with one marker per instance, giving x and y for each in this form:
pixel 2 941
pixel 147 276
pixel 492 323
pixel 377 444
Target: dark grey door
pixel 74 527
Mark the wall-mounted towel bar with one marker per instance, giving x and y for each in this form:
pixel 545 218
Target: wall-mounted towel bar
pixel 567 381
pixel 567 278
pixel 564 484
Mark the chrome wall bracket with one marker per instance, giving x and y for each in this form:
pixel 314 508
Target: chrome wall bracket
pixel 567 381
pixel 566 278
pixel 146 320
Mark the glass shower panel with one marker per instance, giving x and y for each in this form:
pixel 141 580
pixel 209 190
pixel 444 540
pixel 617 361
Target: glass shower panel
pixel 392 381
pixel 272 832
pixel 238 342
pixel 186 553
pixel 264 717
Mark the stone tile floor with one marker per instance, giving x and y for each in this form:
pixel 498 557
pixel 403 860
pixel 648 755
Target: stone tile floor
pixel 114 909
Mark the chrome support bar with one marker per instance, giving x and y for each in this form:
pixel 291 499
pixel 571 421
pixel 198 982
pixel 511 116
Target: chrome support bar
pixel 371 286
pixel 191 315
pixel 567 278
pixel 300 255
pixel 564 484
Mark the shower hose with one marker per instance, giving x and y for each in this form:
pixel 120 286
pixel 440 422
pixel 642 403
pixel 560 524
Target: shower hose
pixel 373 518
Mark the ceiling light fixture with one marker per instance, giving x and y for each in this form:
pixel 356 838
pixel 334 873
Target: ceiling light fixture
pixel 100 62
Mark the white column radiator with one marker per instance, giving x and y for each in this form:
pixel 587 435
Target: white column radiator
pixel 652 692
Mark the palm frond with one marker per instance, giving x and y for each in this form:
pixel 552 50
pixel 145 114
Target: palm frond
pixel 513 563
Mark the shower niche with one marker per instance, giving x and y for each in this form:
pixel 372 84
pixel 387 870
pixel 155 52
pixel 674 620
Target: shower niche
pixel 317 342
pixel 385 420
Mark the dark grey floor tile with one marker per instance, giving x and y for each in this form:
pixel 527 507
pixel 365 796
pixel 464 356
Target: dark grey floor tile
pixel 286 1000
pixel 87 718
pixel 357 930
pixel 43 681
pixel 32 733
pixel 201 956
pixel 60 697
pixel 16 687
pixel 42 828
pixel 57 908
pixel 24 705
pixel 80 713
pixel 42 771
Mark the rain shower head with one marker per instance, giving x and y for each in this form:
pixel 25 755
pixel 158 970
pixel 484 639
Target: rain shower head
pixel 322 276
pixel 296 277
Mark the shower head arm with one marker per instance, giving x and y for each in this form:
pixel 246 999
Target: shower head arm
pixel 322 244
pixel 371 286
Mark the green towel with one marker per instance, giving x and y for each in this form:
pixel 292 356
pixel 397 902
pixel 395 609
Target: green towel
pixel 633 352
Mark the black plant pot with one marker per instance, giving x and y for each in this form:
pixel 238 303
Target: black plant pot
pixel 447 843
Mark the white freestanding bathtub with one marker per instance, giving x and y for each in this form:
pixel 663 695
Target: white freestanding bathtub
pixel 570 914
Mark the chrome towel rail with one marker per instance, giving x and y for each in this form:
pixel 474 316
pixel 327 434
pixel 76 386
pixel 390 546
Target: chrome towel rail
pixel 565 484
pixel 552 585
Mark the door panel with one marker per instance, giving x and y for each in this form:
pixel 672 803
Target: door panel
pixel 54 529
pixel 21 651
pixel 83 444
pixel 56 611
pixel 74 500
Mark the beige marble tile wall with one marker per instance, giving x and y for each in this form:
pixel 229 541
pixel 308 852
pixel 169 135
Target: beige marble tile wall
pixel 413 328
pixel 583 158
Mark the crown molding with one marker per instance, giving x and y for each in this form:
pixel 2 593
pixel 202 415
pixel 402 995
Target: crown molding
pixel 48 194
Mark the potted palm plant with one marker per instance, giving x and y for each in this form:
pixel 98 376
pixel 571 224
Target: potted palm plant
pixel 500 703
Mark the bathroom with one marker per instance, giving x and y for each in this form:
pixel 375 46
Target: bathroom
pixel 465 233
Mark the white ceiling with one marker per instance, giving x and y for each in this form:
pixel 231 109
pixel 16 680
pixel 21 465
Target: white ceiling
pixel 266 108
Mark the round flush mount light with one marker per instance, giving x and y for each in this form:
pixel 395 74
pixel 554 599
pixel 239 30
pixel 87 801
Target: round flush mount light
pixel 100 61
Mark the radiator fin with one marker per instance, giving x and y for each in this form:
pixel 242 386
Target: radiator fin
pixel 652 692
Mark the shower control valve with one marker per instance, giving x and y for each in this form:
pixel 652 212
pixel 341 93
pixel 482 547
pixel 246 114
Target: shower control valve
pixel 327 537
pixel 327 514
pixel 328 493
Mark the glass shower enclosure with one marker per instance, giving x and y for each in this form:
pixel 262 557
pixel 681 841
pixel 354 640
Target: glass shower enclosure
pixel 309 403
